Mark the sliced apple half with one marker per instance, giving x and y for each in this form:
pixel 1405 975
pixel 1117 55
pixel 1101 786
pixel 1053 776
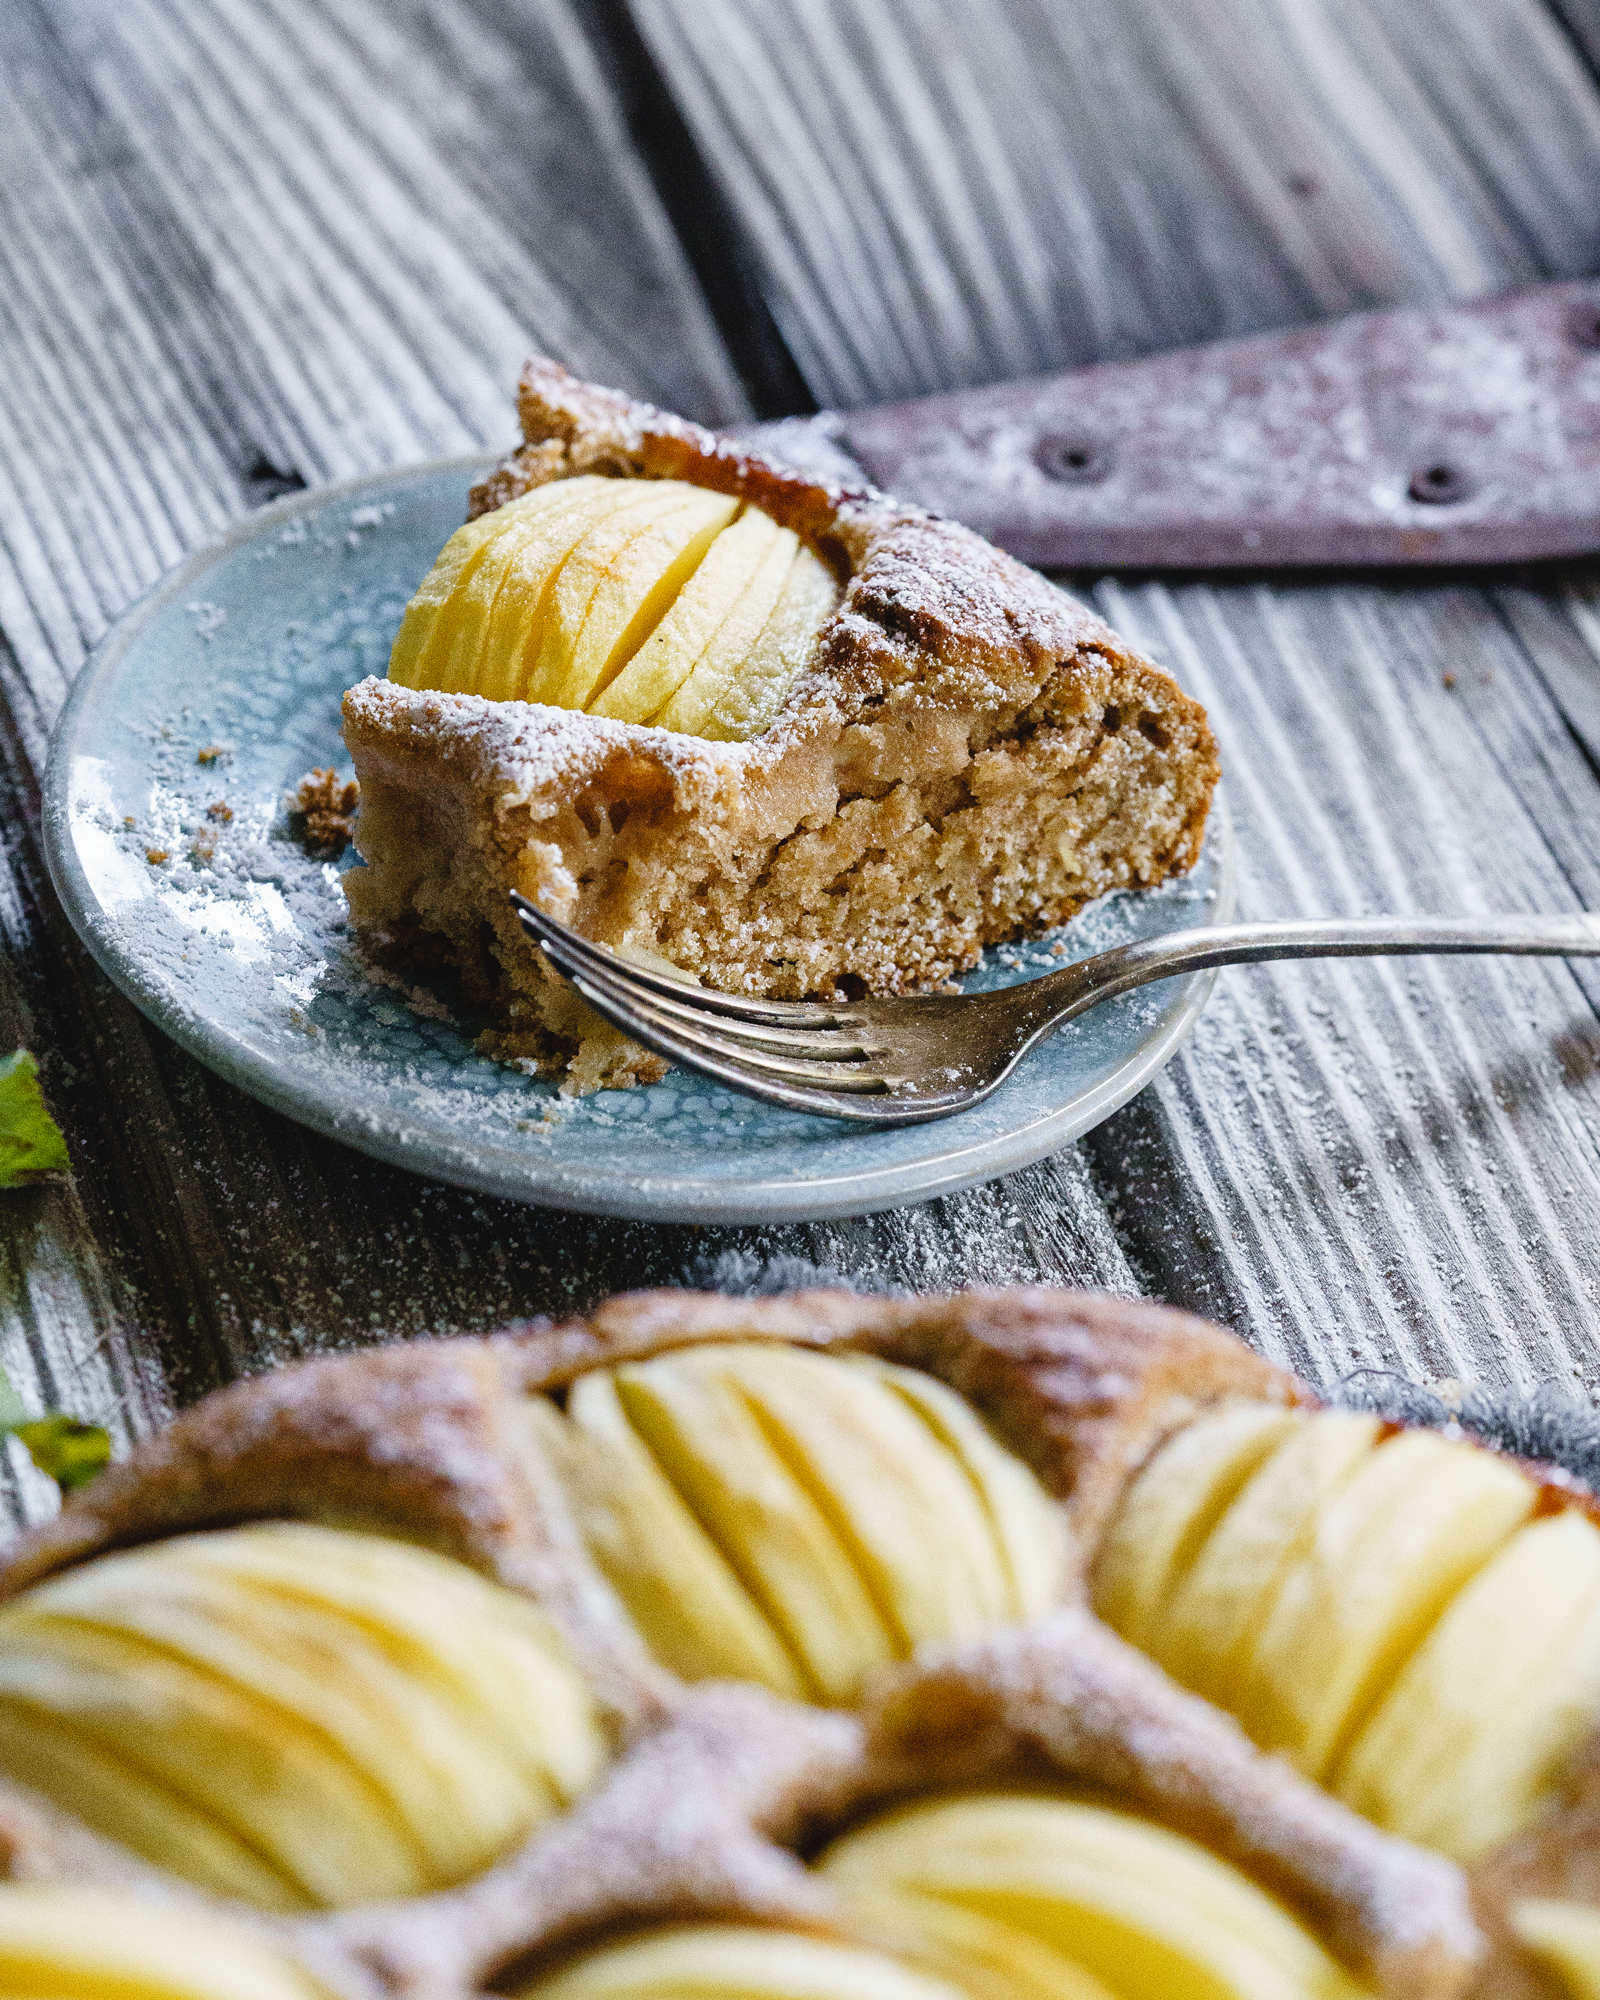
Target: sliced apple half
pixel 753 545
pixel 851 1508
pixel 75 1943
pixel 1215 1610
pixel 1172 1505
pixel 616 586
pixel 736 1962
pixel 430 649
pixel 645 600
pixel 715 1450
pixel 1479 1729
pixel 1145 1911
pixel 296 1714
pixel 686 1599
pixel 983 1956
pixel 509 643
pixel 1419 1517
pixel 752 695
pixel 735 637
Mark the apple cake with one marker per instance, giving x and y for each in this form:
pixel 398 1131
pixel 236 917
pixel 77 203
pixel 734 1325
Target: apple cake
pixel 1010 1646
pixel 788 739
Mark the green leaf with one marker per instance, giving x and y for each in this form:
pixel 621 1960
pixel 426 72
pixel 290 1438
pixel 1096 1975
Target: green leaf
pixel 31 1144
pixel 64 1448
pixel 70 1451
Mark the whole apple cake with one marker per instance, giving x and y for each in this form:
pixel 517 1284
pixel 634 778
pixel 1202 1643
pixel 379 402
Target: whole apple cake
pixel 1012 1646
pixel 787 739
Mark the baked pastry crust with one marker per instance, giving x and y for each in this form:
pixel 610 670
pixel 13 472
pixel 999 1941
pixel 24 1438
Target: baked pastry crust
pixel 717 1785
pixel 968 754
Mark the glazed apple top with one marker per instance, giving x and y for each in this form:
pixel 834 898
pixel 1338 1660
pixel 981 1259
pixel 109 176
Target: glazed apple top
pixel 1391 1610
pixel 645 600
pixel 296 1716
pixel 799 1520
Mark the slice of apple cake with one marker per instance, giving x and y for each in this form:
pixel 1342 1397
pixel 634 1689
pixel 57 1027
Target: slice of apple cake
pixel 791 739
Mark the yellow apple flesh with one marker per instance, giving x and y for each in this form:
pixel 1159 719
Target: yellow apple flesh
pixel 1172 1506
pixel 735 638
pixel 1480 1729
pixel 735 1962
pixel 800 1519
pixel 1383 1610
pixel 1390 1550
pixel 1146 1912
pixel 60 1942
pixel 296 1715
pixel 753 694
pixel 670 655
pixel 644 600
pixel 1217 1607
pixel 1565 1937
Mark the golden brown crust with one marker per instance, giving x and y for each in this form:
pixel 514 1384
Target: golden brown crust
pixel 697 1818
pixel 967 754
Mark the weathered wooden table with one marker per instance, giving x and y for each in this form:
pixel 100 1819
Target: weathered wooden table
pixel 250 244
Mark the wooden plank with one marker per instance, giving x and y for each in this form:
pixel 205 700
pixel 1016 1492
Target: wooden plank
pixel 940 201
pixel 1359 1166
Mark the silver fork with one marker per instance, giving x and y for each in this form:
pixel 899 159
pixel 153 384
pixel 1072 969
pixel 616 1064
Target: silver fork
pixel 905 1062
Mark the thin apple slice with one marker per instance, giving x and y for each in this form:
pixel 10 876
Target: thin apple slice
pixel 311 1690
pixel 616 586
pixel 1214 1612
pixel 1566 1936
pixel 668 657
pixel 125 1803
pixel 73 1942
pixel 425 642
pixel 509 641
pixel 898 1501
pixel 457 1800
pixel 715 1452
pixel 762 679
pixel 1171 1506
pixel 1479 1730
pixel 984 1958
pixel 689 1607
pixel 1419 1518
pixel 488 1655
pixel 1143 1909
pixel 1029 1527
pixel 736 1962
pixel 267 1777
pixel 731 644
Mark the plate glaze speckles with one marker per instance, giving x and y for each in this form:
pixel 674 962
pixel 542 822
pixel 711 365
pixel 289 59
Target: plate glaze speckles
pixel 206 704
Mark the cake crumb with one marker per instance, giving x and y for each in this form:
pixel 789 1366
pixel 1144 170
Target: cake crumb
pixel 213 753
pixel 324 807
pixel 220 811
pixel 1449 680
pixel 156 855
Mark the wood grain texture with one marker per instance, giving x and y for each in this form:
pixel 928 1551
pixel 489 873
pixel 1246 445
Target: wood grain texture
pixel 1358 1166
pixel 943 196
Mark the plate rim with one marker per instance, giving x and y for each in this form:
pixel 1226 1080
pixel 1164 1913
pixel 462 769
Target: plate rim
pixel 629 1195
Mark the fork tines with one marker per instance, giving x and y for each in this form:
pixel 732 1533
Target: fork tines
pixel 796 1053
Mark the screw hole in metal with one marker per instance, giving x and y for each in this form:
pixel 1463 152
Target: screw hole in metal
pixel 1075 461
pixel 1439 484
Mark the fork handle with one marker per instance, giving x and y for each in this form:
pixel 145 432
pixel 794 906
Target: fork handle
pixel 1059 996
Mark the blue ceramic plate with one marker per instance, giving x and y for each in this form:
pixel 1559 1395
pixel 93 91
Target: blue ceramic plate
pixel 235 943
